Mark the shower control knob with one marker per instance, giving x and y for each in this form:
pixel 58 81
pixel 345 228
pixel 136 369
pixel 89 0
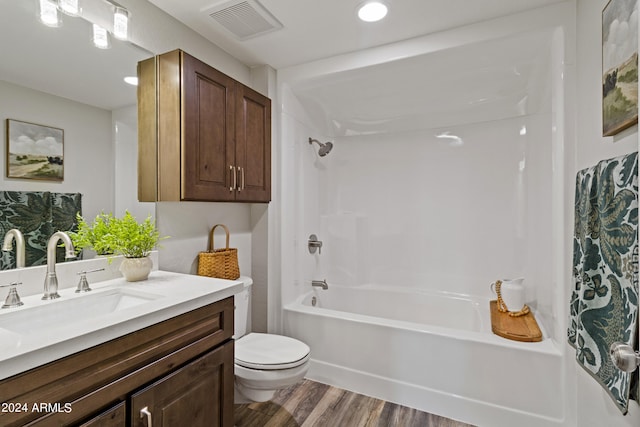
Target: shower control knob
pixel 624 357
pixel 314 244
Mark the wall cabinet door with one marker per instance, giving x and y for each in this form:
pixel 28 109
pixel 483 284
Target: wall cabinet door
pixel 198 395
pixel 253 145
pixel 208 132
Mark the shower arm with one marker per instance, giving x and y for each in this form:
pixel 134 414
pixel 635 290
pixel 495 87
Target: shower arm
pixel 311 141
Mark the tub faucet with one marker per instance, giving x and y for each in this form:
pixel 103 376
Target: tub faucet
pixel 51 280
pixel 320 284
pixel 15 234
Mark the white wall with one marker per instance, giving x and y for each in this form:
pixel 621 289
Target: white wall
pixel 88 149
pixel 299 198
pixel 188 223
pixel 125 139
pixel 594 407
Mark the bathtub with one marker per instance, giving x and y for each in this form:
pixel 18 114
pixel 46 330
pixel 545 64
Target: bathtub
pixel 432 351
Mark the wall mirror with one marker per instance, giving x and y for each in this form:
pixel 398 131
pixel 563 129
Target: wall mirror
pixel 64 62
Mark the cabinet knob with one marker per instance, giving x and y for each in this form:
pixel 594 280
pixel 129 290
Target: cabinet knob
pixel 144 412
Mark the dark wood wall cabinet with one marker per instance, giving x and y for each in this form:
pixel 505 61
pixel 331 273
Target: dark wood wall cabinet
pixel 176 373
pixel 201 134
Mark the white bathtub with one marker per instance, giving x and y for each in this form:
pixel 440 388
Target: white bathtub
pixel 431 351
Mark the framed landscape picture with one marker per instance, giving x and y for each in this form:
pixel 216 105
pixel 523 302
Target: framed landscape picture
pixel 619 66
pixel 34 151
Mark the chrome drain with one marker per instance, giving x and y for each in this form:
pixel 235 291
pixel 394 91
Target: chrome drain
pixel 314 300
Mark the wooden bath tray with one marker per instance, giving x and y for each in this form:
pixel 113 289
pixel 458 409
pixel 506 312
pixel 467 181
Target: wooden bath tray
pixel 523 328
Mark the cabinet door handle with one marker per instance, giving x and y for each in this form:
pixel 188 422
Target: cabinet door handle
pixel 233 177
pixel 241 179
pixel 144 412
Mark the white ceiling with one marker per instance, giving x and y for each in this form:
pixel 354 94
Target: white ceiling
pixel 315 29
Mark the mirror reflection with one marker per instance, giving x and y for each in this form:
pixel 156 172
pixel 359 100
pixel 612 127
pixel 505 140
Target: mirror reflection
pixel 57 77
pixel 64 61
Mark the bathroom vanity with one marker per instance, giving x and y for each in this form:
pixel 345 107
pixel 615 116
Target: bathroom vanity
pixel 163 358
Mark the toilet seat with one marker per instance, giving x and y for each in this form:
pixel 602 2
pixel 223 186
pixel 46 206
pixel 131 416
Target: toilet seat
pixel 270 352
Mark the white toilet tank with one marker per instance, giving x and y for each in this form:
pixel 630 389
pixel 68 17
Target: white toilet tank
pixel 242 313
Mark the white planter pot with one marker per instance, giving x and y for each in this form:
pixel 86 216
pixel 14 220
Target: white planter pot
pixel 136 269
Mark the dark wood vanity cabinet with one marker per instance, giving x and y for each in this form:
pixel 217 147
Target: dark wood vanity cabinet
pixel 112 417
pixel 177 372
pixel 193 395
pixel 201 134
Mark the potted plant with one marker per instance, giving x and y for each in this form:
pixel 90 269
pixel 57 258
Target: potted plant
pixel 134 240
pixel 92 235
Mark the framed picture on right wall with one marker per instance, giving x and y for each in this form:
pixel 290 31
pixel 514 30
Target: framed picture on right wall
pixel 619 66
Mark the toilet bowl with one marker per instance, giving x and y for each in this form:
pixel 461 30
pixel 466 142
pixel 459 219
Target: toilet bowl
pixel 264 363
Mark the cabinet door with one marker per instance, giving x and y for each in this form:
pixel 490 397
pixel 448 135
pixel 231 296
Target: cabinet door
pixel 207 132
pixel 114 417
pixel 253 145
pixel 198 395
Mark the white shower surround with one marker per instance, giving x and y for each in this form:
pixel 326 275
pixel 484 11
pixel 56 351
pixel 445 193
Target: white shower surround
pixel 405 209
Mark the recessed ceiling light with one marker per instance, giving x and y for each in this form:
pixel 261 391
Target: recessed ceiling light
pixel 132 80
pixel 372 11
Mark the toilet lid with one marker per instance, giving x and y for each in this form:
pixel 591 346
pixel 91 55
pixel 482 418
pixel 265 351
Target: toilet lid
pixel 270 352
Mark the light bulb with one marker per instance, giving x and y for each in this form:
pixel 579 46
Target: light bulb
pixel 49 13
pixel 69 7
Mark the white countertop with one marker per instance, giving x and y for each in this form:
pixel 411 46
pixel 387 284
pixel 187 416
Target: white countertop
pixel 170 294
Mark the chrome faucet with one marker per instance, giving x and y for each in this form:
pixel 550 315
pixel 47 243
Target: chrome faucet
pixel 51 280
pixel 320 284
pixel 15 234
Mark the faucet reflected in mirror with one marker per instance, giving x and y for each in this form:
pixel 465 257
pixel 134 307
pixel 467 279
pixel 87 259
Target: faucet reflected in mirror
pixel 51 280
pixel 15 234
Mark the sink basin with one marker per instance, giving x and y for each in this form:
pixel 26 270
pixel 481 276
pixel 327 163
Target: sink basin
pixel 75 309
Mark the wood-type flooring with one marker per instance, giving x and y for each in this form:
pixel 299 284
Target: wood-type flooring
pixel 310 403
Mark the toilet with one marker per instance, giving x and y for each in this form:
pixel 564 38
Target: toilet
pixel 264 363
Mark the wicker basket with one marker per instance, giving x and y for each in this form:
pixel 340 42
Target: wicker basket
pixel 220 263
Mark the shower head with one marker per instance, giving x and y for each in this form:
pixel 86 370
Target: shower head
pixel 324 148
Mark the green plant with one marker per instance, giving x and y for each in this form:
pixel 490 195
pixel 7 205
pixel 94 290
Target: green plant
pixel 93 235
pixel 131 238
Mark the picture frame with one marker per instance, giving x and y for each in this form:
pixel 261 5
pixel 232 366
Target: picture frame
pixel 619 66
pixel 34 151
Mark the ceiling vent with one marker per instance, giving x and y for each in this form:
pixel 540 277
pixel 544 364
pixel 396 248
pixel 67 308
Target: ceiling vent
pixel 244 19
